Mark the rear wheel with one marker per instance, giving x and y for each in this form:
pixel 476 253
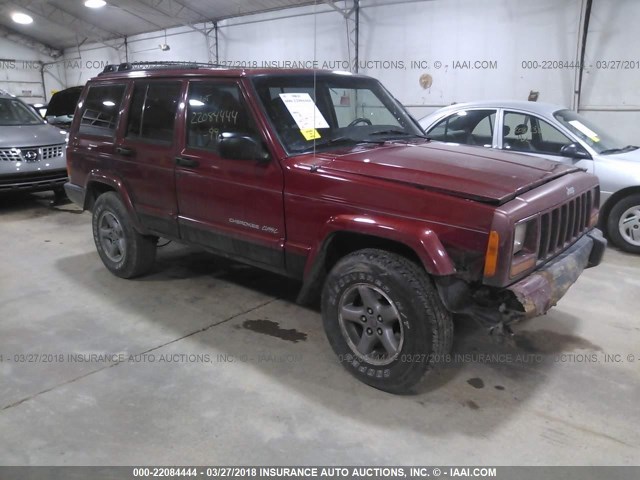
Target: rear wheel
pixel 623 224
pixel 384 319
pixel 122 249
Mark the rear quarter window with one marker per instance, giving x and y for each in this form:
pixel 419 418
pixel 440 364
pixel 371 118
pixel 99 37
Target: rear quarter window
pixel 100 110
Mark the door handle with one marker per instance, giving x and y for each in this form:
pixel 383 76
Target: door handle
pixel 186 162
pixel 127 152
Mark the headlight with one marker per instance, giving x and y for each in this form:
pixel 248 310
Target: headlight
pixel 519 237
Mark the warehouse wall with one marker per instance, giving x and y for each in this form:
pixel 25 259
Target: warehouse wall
pixel 21 72
pixel 611 85
pixel 470 50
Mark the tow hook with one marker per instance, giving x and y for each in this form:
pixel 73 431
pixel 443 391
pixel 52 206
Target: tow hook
pixel 501 330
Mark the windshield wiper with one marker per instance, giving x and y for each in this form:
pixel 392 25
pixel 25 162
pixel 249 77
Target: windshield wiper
pixel 628 148
pixel 339 140
pixel 399 132
pixel 333 141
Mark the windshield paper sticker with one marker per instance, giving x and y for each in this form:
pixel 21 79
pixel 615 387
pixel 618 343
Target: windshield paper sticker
pixel 586 130
pixel 305 113
pixel 310 133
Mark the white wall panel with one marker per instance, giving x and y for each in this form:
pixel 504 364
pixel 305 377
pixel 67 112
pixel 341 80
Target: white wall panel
pixel 304 35
pixel 21 73
pixel 507 32
pixel 612 74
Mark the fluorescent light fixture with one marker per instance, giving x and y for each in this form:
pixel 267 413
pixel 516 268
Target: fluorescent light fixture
pixel 21 18
pixel 108 103
pixel 195 103
pixel 95 3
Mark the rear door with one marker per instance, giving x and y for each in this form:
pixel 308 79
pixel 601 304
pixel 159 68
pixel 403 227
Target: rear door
pixel 232 206
pixel 473 126
pixel 146 152
pixel 94 142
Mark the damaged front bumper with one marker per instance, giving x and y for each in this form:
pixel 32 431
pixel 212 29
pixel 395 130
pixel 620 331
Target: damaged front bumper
pixel 541 290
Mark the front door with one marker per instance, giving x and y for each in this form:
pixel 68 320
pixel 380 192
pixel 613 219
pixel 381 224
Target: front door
pixel 234 207
pixel 529 134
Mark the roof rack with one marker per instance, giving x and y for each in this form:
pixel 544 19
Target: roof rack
pixel 129 66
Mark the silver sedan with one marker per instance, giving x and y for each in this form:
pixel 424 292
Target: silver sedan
pixel 559 134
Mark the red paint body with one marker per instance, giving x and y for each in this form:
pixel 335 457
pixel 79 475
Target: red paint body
pixel 438 200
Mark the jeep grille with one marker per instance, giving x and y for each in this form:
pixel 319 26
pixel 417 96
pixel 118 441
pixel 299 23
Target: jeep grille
pixel 563 225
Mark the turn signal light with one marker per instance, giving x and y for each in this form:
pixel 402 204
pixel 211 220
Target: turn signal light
pixel 491 258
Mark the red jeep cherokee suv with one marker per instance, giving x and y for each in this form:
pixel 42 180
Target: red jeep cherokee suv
pixel 324 177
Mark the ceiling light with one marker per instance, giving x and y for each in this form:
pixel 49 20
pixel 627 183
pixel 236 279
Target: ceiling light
pixel 21 18
pixel 95 3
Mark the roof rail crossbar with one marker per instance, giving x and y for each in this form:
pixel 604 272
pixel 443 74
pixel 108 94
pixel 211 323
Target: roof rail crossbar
pixel 128 66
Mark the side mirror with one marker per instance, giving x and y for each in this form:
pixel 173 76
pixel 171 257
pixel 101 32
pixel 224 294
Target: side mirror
pixel 573 150
pixel 238 146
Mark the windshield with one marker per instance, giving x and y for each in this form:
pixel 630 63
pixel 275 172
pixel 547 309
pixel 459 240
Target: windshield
pixel 14 112
pixel 341 110
pixel 590 133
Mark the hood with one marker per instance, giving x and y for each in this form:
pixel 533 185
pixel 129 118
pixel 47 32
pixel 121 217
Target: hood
pixel 30 136
pixel 64 102
pixel 471 172
pixel 631 156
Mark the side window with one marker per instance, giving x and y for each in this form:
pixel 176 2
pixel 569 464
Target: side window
pixel 215 108
pixel 550 140
pixel 517 132
pixel 528 133
pixel 467 127
pixel 153 111
pixel 100 110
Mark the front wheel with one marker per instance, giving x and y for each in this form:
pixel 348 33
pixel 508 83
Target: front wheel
pixel 623 224
pixel 124 251
pixel 384 319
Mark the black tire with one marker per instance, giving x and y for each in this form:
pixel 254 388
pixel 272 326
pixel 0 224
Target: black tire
pixel 123 250
pixel 422 333
pixel 617 233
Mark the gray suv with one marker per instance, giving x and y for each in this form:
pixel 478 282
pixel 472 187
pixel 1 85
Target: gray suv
pixel 32 153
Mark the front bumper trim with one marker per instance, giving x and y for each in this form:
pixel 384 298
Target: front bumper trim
pixel 541 290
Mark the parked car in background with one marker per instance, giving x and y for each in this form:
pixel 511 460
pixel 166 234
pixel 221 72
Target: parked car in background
pixel 39 108
pixel 32 153
pixel 559 134
pixel 61 107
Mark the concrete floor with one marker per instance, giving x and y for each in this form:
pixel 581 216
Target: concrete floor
pixel 243 389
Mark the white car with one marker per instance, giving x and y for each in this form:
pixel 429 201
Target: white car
pixel 559 134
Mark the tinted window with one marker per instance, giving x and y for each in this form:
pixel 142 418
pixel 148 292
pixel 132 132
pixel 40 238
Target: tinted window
pixel 215 108
pixel 153 111
pixel 528 133
pixel 100 110
pixel 467 127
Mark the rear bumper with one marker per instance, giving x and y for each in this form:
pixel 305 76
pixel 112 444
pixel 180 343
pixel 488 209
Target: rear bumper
pixel 541 290
pixel 75 193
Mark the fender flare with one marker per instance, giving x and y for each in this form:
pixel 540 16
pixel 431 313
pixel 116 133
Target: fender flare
pixel 423 241
pixel 100 177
